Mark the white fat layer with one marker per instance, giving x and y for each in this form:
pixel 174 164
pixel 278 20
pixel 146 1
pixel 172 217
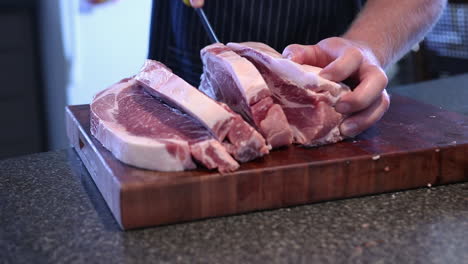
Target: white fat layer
pixel 302 75
pixel 187 97
pixel 251 83
pixel 333 136
pixel 257 46
pixel 298 136
pixel 291 104
pixel 219 150
pixel 114 89
pixel 202 146
pixel 142 152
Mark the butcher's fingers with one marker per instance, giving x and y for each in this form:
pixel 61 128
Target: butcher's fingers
pixel 344 66
pixel 307 54
pixel 373 81
pixel 358 122
pixel 197 3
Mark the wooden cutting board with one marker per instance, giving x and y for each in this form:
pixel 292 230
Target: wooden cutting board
pixel 414 145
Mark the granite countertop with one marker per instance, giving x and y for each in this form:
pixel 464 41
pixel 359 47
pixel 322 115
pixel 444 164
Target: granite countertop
pixel 51 212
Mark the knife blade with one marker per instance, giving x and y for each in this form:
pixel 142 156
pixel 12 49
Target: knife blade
pixel 206 24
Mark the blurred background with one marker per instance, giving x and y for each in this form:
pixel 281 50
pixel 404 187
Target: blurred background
pixel 55 53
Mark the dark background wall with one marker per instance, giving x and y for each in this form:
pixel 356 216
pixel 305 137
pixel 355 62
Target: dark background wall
pixel 22 119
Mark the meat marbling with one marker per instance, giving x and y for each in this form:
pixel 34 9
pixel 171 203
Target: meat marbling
pixel 239 138
pixel 307 99
pixel 233 80
pixel 144 132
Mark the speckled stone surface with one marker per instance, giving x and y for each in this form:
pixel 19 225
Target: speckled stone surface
pixel 51 212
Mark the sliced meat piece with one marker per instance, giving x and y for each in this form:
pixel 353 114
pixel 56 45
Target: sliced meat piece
pixel 307 99
pixel 239 138
pixel 142 131
pixel 233 80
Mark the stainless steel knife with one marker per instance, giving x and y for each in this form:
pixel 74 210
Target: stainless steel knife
pixel 206 24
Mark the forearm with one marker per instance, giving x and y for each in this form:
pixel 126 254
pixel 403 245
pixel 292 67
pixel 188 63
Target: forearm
pixel 390 28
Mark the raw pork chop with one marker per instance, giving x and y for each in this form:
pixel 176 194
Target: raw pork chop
pixel 307 99
pixel 144 132
pixel 239 138
pixel 233 80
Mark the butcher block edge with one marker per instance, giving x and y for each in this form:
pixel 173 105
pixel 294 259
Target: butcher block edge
pixel 141 198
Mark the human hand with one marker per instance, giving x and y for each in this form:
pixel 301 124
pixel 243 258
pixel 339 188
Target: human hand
pixel 341 59
pixel 197 3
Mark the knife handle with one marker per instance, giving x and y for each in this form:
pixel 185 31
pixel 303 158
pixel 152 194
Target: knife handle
pixel 187 2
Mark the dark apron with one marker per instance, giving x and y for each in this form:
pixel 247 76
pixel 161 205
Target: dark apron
pixel 177 34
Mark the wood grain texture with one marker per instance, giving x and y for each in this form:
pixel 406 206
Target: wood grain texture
pixel 413 145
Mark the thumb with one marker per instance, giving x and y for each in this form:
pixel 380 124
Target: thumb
pixel 295 52
pixel 197 3
pixel 306 54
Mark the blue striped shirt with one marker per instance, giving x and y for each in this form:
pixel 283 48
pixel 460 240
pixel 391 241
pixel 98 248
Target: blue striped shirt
pixel 177 34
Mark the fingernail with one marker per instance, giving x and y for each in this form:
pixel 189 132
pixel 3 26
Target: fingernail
pixel 342 107
pixel 326 76
pixel 288 55
pixel 349 129
pixel 196 3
